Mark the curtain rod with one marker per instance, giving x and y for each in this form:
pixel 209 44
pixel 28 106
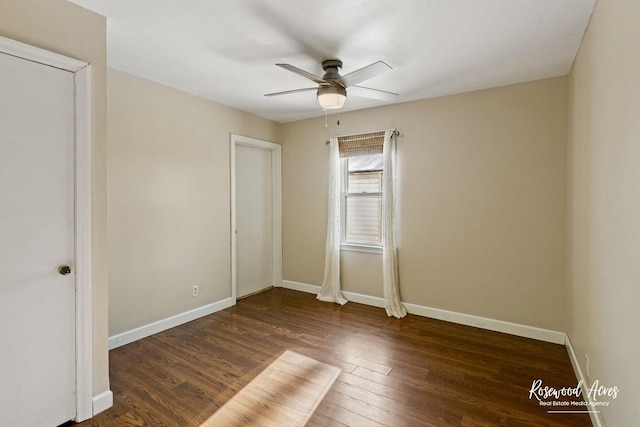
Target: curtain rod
pixel 395 132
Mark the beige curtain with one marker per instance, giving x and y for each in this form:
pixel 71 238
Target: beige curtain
pixel 330 290
pixel 390 252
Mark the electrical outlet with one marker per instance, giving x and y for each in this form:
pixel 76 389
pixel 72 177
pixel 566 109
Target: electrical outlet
pixel 586 358
pixel 194 291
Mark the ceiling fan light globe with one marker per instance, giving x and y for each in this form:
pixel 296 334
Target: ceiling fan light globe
pixel 331 97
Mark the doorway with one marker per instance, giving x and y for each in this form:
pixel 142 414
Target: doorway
pixel 45 230
pixel 256 218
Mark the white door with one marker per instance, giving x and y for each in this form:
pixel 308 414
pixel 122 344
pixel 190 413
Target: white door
pixel 254 220
pixel 37 301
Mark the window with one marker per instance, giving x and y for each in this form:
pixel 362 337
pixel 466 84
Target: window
pixel 361 192
pixel 362 200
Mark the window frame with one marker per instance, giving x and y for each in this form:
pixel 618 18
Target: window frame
pixel 344 195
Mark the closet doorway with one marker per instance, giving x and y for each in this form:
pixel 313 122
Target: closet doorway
pixel 256 218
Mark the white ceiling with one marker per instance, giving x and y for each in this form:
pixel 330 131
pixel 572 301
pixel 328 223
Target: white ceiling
pixel 225 50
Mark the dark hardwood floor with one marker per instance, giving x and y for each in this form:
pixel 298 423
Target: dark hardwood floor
pixel 409 372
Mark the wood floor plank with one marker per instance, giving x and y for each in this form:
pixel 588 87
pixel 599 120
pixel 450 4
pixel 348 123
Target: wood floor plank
pixel 417 408
pixel 339 413
pixel 393 372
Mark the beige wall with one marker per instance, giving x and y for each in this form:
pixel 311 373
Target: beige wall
pixel 604 205
pixel 168 199
pixel 481 202
pixel 61 27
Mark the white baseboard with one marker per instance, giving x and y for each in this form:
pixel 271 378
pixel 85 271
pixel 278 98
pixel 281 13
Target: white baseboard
pixel 351 296
pixel 168 323
pixel 302 287
pixel 596 418
pixel 364 299
pixel 488 323
pixel 449 316
pixel 102 402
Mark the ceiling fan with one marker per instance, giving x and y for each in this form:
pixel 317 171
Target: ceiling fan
pixel 332 87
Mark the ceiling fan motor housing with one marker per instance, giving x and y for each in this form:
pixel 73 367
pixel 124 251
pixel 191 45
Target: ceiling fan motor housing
pixel 331 68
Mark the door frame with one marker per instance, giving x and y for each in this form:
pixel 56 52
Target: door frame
pixel 83 252
pixel 276 194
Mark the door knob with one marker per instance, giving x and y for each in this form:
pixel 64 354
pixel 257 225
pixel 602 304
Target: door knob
pixel 64 270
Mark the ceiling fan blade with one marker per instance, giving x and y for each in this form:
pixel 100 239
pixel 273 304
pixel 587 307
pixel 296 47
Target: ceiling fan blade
pixel 369 92
pixel 303 73
pixel 365 73
pixel 287 92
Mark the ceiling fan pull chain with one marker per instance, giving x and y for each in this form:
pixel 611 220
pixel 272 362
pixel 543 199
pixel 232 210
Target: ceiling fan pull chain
pixel 326 126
